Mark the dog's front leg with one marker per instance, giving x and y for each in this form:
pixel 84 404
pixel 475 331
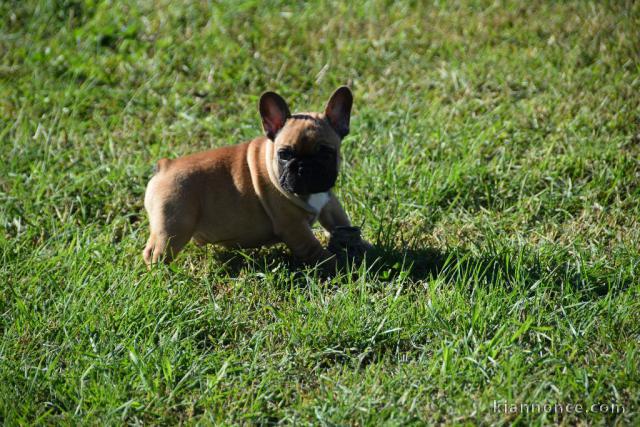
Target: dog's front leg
pixel 346 240
pixel 332 215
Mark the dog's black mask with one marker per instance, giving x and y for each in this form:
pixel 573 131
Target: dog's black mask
pixel 314 173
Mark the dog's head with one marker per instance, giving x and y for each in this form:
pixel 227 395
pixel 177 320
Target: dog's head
pixel 307 145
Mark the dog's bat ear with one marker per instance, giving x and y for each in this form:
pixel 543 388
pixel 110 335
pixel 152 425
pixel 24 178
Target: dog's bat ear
pixel 338 110
pixel 274 112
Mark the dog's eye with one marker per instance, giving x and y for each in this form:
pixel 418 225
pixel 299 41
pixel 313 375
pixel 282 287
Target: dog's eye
pixel 286 154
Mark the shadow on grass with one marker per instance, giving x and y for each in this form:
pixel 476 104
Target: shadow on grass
pixel 413 263
pixel 505 268
pixel 502 267
pixel 523 270
pixel 382 264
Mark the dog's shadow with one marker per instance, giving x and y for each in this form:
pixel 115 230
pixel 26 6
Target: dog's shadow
pixel 413 263
pixel 381 262
pixel 507 268
pixel 417 264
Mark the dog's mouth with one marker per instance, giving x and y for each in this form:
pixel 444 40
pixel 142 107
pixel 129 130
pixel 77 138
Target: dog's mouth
pixel 307 176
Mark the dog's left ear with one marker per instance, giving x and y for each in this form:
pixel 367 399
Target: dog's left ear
pixel 338 110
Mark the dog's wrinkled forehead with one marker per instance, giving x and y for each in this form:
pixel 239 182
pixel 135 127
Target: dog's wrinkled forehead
pixel 305 131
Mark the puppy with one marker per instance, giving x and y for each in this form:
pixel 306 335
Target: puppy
pixel 269 190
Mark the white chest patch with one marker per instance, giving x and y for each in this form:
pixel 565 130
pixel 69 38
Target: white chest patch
pixel 317 201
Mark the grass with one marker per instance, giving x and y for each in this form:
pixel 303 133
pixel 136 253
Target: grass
pixel 493 161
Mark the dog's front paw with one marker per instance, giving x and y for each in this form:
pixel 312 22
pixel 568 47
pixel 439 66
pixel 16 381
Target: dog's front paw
pixel 347 244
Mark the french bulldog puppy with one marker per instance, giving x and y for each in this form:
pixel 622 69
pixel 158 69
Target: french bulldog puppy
pixel 269 190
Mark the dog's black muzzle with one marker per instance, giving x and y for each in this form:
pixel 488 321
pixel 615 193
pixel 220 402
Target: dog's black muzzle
pixel 308 175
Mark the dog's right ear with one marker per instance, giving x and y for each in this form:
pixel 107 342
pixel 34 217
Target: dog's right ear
pixel 274 112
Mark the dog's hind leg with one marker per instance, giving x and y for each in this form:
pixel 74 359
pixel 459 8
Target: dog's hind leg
pixel 171 228
pixel 163 246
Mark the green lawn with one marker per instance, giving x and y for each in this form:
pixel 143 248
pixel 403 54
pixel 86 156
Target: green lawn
pixel 494 161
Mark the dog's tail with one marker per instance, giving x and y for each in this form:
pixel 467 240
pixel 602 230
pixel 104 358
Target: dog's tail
pixel 162 165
